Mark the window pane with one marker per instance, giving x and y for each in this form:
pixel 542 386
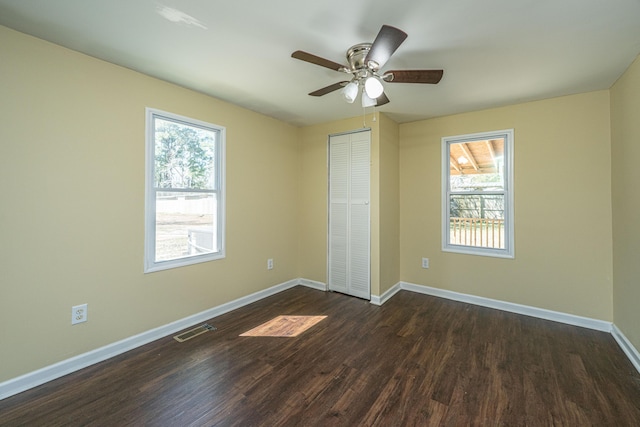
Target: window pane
pixel 477 165
pixel 184 156
pixel 477 194
pixel 185 224
pixel 477 220
pixel 477 206
pixel 184 209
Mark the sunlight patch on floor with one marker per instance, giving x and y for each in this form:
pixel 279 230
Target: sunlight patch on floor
pixel 284 326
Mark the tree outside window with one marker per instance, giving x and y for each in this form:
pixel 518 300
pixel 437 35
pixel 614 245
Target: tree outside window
pixel 184 177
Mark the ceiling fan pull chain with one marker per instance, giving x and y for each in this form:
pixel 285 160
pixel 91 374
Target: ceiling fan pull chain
pixel 364 116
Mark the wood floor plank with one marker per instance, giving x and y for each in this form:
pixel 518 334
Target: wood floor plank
pixel 417 360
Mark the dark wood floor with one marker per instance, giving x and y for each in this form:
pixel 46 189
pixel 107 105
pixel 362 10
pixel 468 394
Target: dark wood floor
pixel 416 361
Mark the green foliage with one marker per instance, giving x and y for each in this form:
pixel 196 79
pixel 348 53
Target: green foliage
pixel 183 156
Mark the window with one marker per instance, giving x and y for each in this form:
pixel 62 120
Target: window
pixel 184 209
pixel 477 194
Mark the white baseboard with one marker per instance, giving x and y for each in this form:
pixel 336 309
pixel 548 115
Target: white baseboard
pixel 632 353
pixel 313 284
pixel 57 370
pixel 386 296
pixel 541 313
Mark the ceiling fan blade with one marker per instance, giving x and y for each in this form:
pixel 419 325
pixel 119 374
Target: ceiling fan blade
pixel 387 41
pixel 382 99
pixel 329 89
pixel 413 76
pixel 308 57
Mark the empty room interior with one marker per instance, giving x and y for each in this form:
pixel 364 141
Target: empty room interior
pixel 461 247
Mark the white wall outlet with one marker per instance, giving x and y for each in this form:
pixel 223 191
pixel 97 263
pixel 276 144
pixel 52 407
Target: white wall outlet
pixel 425 262
pixel 78 314
pixel 270 264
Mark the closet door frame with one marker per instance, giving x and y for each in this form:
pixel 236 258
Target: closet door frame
pixel 355 271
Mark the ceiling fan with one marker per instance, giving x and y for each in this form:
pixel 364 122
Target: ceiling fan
pixel 365 63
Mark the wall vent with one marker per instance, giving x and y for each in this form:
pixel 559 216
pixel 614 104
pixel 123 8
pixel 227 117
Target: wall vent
pixel 194 332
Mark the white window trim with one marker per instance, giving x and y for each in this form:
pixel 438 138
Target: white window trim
pixel 150 264
pixel 509 250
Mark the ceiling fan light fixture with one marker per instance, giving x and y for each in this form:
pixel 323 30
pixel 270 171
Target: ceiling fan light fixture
pixel 350 92
pixel 367 101
pixel 373 87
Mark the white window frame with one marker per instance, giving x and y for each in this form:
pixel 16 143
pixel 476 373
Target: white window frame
pixel 509 250
pixel 150 263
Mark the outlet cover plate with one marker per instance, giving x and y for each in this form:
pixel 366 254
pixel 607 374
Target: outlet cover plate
pixel 78 314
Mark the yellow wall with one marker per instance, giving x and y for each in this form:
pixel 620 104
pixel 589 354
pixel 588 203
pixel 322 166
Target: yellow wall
pixel 389 242
pixel 625 140
pixel 72 207
pixel 563 241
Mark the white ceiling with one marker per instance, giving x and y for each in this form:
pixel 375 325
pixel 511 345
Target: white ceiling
pixel 493 52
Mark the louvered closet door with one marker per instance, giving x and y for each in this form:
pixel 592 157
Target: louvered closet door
pixel 349 228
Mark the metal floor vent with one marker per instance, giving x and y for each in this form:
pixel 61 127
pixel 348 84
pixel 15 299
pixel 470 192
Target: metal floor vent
pixel 194 332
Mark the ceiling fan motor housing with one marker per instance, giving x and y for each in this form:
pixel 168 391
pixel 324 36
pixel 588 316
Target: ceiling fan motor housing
pixel 356 56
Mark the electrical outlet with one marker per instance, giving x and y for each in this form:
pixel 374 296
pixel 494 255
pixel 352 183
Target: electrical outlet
pixel 425 262
pixel 270 264
pixel 78 314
